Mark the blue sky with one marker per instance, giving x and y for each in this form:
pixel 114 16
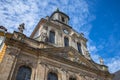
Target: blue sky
pixel 97 19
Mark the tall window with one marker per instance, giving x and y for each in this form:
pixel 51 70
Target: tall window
pixel 24 73
pixel 63 19
pixel 52 37
pixel 52 76
pixel 72 78
pixel 79 48
pixel 66 41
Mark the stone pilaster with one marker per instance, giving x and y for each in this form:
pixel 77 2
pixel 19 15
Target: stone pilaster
pixel 9 63
pixel 41 72
pixel 63 74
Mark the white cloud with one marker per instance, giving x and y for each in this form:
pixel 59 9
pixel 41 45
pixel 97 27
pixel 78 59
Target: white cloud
pixel 30 11
pixel 13 13
pixel 92 48
pixel 96 58
pixel 114 64
pixel 16 12
pixel 93 51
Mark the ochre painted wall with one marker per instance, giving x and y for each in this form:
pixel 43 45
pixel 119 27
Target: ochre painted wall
pixel 2 52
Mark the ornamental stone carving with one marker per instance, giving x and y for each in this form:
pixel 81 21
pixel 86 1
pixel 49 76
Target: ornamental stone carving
pixel 101 61
pixel 43 36
pixel 21 27
pixel 13 51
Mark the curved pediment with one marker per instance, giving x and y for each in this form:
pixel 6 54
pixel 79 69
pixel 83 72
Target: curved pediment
pixel 70 54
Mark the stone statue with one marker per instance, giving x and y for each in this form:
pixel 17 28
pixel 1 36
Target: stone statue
pixel 43 35
pixel 21 27
pixel 101 61
pixel 87 54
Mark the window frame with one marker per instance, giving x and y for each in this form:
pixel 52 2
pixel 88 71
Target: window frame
pixel 53 75
pixel 52 37
pixel 71 78
pixel 25 67
pixel 79 47
pixel 62 19
pixel 66 41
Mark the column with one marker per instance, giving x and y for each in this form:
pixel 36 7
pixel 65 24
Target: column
pixel 63 75
pixel 41 72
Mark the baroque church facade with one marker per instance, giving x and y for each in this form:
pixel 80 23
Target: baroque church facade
pixel 54 51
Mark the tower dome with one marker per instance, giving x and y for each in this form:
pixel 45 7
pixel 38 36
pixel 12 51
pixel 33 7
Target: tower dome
pixel 59 16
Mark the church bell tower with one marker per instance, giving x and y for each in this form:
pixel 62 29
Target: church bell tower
pixel 60 16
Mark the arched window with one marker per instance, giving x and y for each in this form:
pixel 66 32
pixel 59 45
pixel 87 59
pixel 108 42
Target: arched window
pixel 79 48
pixel 24 73
pixel 52 76
pixel 72 78
pixel 63 19
pixel 66 41
pixel 52 37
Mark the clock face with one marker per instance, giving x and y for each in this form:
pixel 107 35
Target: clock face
pixel 66 31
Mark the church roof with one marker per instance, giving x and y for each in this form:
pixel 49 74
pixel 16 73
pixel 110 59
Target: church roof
pixel 58 11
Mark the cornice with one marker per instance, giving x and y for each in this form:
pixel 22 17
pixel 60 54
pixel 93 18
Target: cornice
pixel 72 66
pixel 48 54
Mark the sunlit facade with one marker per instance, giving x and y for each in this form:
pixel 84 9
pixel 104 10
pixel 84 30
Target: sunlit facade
pixel 54 51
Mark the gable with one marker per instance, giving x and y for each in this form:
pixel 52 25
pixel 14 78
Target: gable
pixel 42 21
pixel 70 54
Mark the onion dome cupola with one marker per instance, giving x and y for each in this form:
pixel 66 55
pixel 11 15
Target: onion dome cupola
pixel 59 16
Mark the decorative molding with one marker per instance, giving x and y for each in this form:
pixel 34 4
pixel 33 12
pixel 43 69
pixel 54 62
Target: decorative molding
pixel 13 51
